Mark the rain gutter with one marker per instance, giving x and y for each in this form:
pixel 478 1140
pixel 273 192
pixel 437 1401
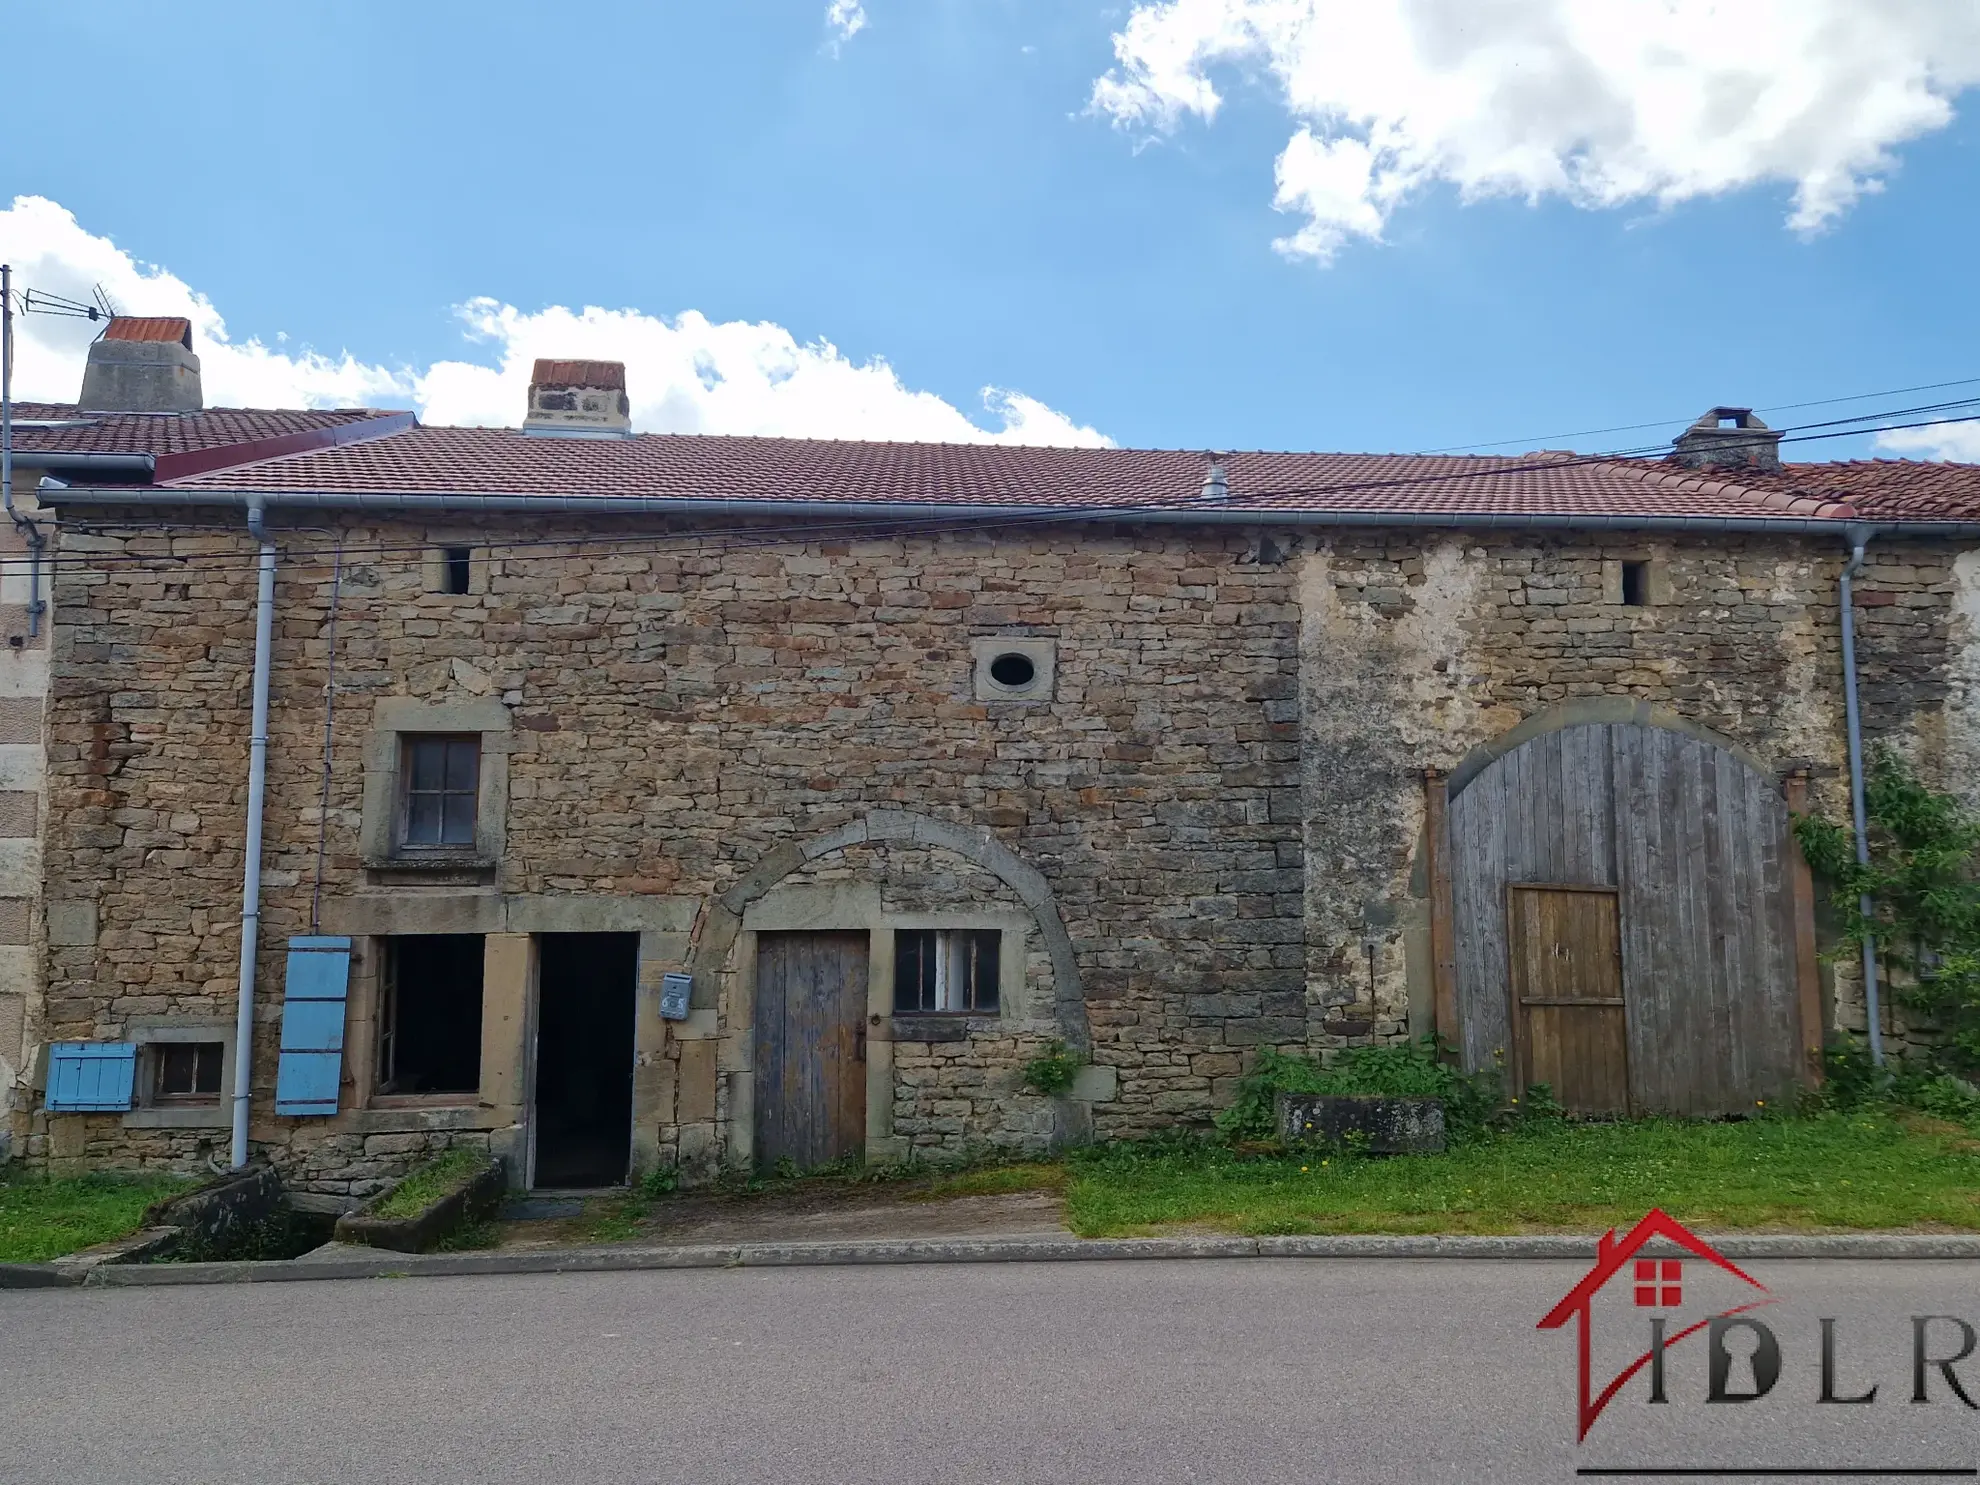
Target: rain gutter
pixel 863 510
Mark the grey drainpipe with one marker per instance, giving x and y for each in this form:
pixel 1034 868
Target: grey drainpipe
pixel 1859 537
pixel 264 638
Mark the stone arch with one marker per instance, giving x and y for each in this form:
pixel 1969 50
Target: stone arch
pixel 1594 709
pixel 717 932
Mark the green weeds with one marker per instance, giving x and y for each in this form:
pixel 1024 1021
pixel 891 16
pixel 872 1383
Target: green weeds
pixel 42 1218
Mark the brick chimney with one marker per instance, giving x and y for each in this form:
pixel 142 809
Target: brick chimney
pixel 1728 438
pixel 143 365
pixel 579 399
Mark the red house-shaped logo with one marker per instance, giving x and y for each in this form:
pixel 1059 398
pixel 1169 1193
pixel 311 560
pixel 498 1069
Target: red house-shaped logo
pixel 1658 1283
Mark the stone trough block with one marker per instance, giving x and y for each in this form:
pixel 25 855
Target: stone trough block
pixel 1388 1126
pixel 478 1194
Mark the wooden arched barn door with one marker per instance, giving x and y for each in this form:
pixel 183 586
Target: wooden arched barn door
pixel 1624 922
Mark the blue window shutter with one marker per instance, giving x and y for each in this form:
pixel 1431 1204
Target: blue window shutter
pixel 313 996
pixel 91 1077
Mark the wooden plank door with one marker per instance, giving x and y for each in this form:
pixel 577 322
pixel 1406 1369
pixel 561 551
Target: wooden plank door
pixel 1566 967
pixel 810 1046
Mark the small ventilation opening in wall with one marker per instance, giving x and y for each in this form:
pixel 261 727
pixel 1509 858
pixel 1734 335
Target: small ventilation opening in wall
pixel 1013 670
pixel 460 566
pixel 1636 584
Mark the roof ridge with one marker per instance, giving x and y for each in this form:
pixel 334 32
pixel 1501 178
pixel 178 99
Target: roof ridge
pixel 1774 500
pixel 249 453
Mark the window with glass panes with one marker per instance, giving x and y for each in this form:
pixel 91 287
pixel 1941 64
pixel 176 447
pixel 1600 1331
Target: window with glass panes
pixel 945 971
pixel 442 786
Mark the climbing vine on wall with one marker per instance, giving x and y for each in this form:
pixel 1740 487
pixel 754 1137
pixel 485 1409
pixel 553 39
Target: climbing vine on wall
pixel 1923 891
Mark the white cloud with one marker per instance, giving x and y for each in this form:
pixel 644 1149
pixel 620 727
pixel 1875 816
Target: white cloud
pixel 685 375
pixel 845 19
pixel 52 253
pixel 1601 102
pixel 1956 441
pixel 690 375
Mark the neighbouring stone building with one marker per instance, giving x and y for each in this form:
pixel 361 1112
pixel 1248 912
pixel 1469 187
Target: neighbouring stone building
pixel 635 801
pixel 140 418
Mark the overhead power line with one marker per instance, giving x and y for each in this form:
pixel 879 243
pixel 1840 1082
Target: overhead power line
pixel 1669 422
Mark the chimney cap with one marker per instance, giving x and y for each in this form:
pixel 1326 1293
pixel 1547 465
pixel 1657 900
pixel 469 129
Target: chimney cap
pixel 604 376
pixel 1728 438
pixel 578 399
pixel 160 328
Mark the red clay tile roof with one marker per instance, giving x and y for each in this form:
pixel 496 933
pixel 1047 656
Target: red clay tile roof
pixel 167 433
pixel 606 375
pixel 1883 489
pixel 468 461
pixel 186 444
pixel 157 327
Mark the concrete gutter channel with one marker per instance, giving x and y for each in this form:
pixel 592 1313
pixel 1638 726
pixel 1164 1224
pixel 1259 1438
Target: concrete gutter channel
pixel 338 1261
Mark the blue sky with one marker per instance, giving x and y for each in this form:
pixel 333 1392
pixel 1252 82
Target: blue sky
pixel 934 190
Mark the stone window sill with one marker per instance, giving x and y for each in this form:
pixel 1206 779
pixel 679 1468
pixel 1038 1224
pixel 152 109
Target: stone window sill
pixel 942 1026
pixel 436 867
pixel 180 1116
pixel 410 1118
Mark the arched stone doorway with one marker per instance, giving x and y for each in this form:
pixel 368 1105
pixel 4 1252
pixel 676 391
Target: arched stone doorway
pixel 801 957
pixel 1624 919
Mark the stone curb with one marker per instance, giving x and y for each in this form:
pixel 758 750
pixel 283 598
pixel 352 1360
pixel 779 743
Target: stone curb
pixel 358 1264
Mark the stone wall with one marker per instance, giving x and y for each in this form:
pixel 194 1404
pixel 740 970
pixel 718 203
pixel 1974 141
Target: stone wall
pixel 682 708
pixel 1224 794
pixel 23 686
pixel 1417 651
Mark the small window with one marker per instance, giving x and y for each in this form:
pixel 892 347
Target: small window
pixel 1636 584
pixel 457 568
pixel 186 1072
pixel 429 1014
pixel 442 787
pixel 945 972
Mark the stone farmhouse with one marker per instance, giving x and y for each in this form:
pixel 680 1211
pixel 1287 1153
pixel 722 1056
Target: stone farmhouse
pixel 624 801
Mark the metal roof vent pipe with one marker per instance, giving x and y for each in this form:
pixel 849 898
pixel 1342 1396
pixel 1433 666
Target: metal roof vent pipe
pixel 1728 438
pixel 578 399
pixel 1216 486
pixel 142 365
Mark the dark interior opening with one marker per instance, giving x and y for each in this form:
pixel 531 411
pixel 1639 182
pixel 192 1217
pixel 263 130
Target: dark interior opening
pixel 1636 584
pixel 584 1057
pixel 1012 670
pixel 429 1027
pixel 459 568
pixel 188 1071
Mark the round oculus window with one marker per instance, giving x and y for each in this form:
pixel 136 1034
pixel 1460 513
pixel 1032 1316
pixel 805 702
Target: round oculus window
pixel 1013 671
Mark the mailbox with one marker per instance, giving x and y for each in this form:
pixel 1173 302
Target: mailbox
pixel 674 993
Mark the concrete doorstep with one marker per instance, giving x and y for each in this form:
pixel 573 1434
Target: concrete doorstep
pixel 338 1261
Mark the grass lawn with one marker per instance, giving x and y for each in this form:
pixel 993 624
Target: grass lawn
pixel 1867 1169
pixel 42 1219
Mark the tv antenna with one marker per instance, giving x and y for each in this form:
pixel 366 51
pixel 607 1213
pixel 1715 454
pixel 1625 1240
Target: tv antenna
pixel 40 302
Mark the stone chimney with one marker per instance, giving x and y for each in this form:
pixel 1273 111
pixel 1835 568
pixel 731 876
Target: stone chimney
pixel 142 365
pixel 1728 438
pixel 579 399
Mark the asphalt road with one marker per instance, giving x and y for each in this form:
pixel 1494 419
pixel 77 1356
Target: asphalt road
pixel 1073 1374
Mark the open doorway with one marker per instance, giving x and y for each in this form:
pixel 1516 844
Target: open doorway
pixel 587 990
